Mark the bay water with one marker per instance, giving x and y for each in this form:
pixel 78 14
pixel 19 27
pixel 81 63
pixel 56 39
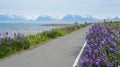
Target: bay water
pixel 23 28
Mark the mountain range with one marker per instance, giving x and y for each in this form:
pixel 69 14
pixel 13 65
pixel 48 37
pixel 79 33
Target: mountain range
pixel 12 18
pixel 66 18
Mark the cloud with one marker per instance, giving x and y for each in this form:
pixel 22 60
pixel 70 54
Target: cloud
pixel 60 7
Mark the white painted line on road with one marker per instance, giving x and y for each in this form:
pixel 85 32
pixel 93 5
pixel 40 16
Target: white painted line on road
pixel 79 55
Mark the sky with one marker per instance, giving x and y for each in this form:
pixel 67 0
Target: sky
pixel 59 8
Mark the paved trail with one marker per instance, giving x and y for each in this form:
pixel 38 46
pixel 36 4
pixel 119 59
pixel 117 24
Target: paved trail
pixel 61 52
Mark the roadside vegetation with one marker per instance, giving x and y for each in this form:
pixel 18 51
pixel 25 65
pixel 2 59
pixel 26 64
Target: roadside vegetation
pixel 103 46
pixel 12 45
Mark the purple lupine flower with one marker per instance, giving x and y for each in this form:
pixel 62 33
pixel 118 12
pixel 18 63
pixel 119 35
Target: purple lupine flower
pixel 85 63
pixel 113 44
pixel 116 38
pixel 15 34
pixel 112 36
pixel 21 37
pixel 0 34
pixel 97 64
pixel 102 43
pixel 111 49
pixel 109 40
pixel 112 64
pixel 0 41
pixel 6 33
pixel 8 38
pixel 100 40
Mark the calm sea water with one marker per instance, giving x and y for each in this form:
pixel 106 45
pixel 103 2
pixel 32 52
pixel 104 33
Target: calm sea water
pixel 24 28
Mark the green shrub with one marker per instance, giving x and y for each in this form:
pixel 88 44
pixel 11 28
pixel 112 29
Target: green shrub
pixel 56 33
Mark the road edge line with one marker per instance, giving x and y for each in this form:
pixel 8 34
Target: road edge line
pixel 79 55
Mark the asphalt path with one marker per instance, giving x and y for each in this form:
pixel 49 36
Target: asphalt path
pixel 60 52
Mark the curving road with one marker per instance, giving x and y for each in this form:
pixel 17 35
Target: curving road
pixel 61 52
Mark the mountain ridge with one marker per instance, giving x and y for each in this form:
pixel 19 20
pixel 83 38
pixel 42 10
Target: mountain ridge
pixel 66 18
